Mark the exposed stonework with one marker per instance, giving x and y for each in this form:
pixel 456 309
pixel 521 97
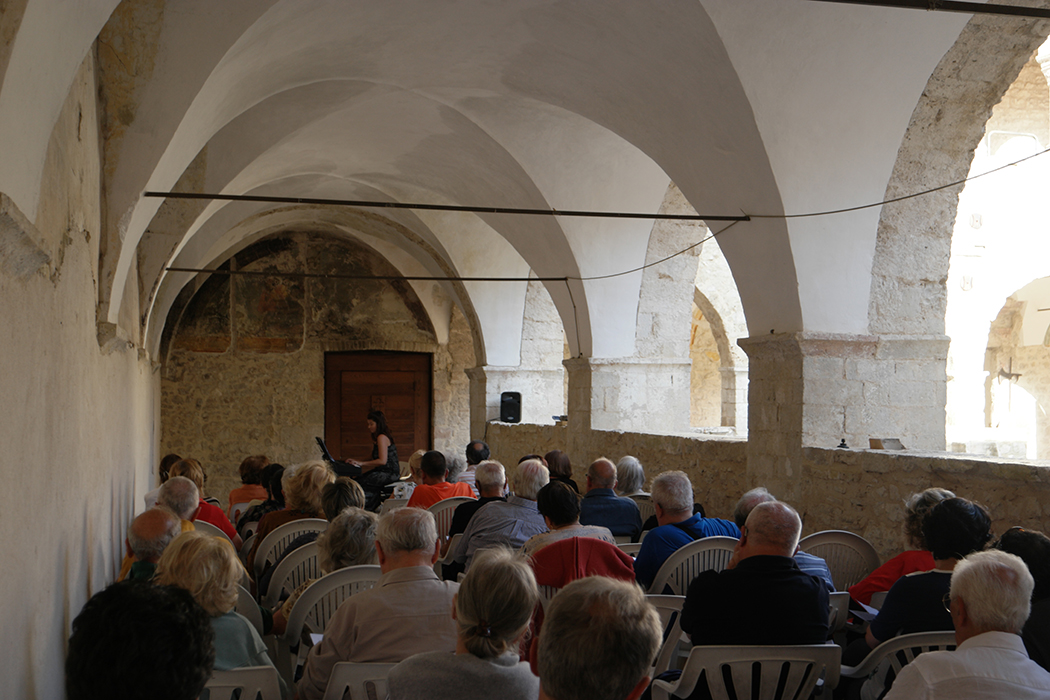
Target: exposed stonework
pixel 1023 109
pixel 705 396
pixel 236 330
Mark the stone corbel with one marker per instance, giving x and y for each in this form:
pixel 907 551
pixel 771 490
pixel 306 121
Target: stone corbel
pixel 22 249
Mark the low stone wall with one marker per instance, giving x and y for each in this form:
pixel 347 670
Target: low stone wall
pixel 862 491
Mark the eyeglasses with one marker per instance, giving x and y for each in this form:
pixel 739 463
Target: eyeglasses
pixel 947 600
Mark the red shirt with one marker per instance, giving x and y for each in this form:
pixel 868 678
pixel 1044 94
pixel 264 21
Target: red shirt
pixel 883 578
pixel 214 515
pixel 426 495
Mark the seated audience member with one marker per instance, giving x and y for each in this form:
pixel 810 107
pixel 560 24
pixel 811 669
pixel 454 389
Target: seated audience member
pixel 560 468
pixel 990 593
pixel 192 470
pixel 560 507
pixel 165 465
pixel 733 607
pixel 506 523
pixel 492 612
pixel 601 506
pixel 271 479
pixel 348 541
pixel 630 477
pixel 1034 549
pixel 406 613
pixel 476 453
pixel 917 558
pixel 208 568
pixel 302 487
pixel 336 497
pixel 678 525
pixel 149 534
pixel 140 642
pixel 434 487
pixel 181 497
pixel 808 563
pixel 491 482
pixel 251 479
pixel 598 641
pixel 456 466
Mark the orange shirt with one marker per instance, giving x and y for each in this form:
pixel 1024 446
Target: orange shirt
pixel 426 495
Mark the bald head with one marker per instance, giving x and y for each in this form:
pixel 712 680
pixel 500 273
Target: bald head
pixel 601 474
pixel 151 532
pixel 773 527
pixel 747 503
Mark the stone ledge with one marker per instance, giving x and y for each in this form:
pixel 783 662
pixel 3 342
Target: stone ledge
pixel 22 248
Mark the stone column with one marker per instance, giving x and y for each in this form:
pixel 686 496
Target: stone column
pixel 649 396
pixel 734 398
pixel 812 389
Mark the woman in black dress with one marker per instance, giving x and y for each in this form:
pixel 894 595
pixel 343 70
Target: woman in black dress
pixel 383 468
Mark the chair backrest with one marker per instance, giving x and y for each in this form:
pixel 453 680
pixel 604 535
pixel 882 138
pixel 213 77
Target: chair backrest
pixel 250 681
pixel 392 504
pixel 900 651
pixel 645 505
pixel 316 606
pixel 212 500
pixel 670 609
pixel 210 530
pixel 247 607
pixel 850 557
pixel 360 681
pixel 273 544
pixel 249 529
pixel 622 539
pixel 631 548
pixel 838 611
pixel 757 672
pixel 290 573
pixel 877 599
pixel 447 559
pixel 443 512
pixel 683 566
pixel 236 510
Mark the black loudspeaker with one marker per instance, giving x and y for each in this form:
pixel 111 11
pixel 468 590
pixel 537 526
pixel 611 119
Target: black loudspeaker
pixel 510 407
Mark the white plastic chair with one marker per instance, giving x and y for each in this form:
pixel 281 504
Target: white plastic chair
pixel 210 530
pixel 683 566
pixel 274 544
pixel 447 559
pixel 248 531
pixel 670 609
pixel 838 611
pixel 645 505
pixel 443 512
pixel 236 510
pixel 755 671
pixel 877 599
pixel 899 652
pixel 360 681
pixel 622 539
pixel 631 548
pixel 392 504
pixel 849 556
pixel 251 681
pixel 290 573
pixel 247 607
pixel 315 608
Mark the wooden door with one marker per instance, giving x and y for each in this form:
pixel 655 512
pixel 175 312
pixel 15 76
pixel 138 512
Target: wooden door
pixel 396 383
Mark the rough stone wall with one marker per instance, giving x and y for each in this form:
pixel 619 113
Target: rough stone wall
pixel 245 369
pixel 705 381
pixel 1023 108
pixel 862 491
pixel 78 433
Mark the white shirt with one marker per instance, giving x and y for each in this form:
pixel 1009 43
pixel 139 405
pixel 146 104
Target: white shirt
pixel 993 665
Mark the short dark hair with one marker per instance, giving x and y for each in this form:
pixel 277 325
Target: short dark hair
pixel 433 464
pixel 477 452
pixel 147 641
pixel 273 483
pixel 559 503
pixel 955 527
pixel 165 464
pixel 526 458
pixel 1034 548
pixel 251 468
pixel 558 464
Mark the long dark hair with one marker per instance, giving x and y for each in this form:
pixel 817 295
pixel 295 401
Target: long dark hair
pixel 381 427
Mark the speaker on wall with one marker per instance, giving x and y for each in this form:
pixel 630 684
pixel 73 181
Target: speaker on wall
pixel 510 407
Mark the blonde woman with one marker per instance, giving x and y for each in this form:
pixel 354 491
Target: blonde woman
pixel 208 568
pixel 492 611
pixel 302 487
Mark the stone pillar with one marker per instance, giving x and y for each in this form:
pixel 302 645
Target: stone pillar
pixel 541 394
pixel 813 389
pixel 734 398
pixel 649 396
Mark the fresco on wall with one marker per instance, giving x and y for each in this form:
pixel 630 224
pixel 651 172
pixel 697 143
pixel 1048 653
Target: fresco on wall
pixel 269 311
pixel 205 324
